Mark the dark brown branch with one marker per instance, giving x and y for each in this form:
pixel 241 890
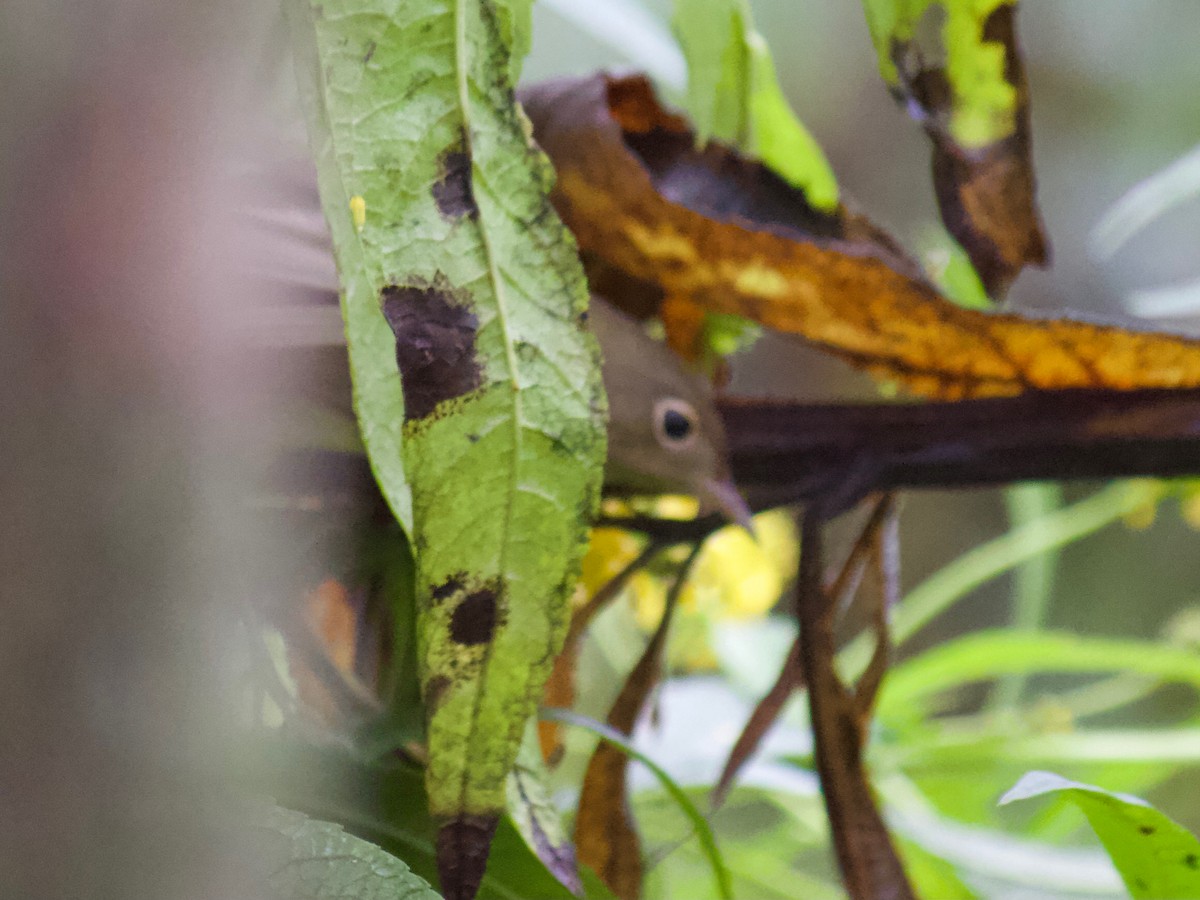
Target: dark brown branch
pixel 831 456
pixel 870 868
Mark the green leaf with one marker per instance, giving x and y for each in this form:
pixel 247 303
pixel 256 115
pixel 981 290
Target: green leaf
pixel 734 95
pixel 536 817
pixel 984 104
pixel 992 654
pixel 1155 856
pixel 437 199
pixel 318 860
pixel 384 800
pixel 708 844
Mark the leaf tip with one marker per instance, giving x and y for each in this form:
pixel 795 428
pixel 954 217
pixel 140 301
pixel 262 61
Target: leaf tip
pixel 462 853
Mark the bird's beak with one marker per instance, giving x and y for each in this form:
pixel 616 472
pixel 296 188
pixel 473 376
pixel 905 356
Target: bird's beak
pixel 722 496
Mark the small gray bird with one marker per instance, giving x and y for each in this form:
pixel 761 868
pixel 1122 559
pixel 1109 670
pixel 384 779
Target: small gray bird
pixel 665 435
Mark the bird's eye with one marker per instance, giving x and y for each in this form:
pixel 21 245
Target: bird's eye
pixel 675 423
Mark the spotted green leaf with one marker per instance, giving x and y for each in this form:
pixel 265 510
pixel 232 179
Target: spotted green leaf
pixel 1155 856
pixel 457 272
pixel 985 105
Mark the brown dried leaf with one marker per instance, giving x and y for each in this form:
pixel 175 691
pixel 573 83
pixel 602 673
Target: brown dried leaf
pixel 605 837
pixel 726 234
pixel 985 193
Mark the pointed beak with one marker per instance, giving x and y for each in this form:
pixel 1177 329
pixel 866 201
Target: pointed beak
pixel 722 495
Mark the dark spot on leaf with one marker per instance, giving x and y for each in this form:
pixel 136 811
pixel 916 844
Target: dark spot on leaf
pixel 449 587
pixel 434 690
pixel 435 345
pixel 1146 829
pixel 1140 884
pixel 474 620
pixel 462 853
pixel 370 52
pixel 453 192
pixel 1191 861
pixel 473 438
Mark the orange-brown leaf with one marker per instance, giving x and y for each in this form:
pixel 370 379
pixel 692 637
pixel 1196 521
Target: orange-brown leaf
pixel 728 235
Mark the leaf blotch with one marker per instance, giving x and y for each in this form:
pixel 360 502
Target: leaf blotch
pixel 435 345
pixel 474 619
pixel 453 192
pixel 1191 861
pixel 434 691
pixel 462 852
pixel 449 587
pixel 1146 829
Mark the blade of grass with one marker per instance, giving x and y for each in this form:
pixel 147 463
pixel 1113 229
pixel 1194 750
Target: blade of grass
pixel 704 833
pixel 950 584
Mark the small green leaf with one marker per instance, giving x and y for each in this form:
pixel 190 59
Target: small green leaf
pixel 319 861
pixel 1155 856
pixel 734 95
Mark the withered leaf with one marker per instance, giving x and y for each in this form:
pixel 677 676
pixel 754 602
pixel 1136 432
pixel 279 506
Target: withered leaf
pixel 982 162
pixel 605 837
pixel 723 232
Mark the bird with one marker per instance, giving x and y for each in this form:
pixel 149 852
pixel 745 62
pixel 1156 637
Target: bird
pixel 665 433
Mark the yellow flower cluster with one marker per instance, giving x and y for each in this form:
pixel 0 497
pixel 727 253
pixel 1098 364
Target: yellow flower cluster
pixel 736 575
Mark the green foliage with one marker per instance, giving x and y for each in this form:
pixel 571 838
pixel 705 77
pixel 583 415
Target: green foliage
pixel 384 800
pixel 318 860
pixel 440 215
pixel 734 95
pixel 984 104
pixel 1155 856
pixel 704 835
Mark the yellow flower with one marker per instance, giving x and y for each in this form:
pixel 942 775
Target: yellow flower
pixel 736 576
pixel 608 553
pixel 742 577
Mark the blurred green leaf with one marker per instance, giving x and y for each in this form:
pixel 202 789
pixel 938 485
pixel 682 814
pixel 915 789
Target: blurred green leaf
pixel 734 95
pixel 384 800
pixel 775 844
pixel 321 862
pixel 991 654
pixel 1156 857
pixel 536 818
pixel 947 586
pixel 704 835
pixel 931 875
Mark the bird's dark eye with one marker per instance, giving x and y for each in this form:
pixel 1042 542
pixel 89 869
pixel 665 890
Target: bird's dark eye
pixel 675 423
